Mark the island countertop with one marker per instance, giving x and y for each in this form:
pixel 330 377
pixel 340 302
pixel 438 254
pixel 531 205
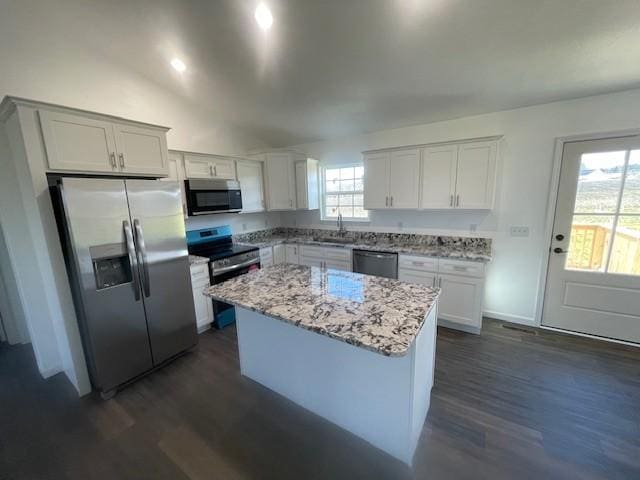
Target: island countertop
pixel 379 314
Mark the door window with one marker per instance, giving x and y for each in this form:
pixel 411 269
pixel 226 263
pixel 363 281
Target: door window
pixel 605 231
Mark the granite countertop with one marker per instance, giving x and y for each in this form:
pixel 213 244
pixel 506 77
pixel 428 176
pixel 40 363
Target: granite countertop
pixel 462 248
pixel 197 260
pixel 375 313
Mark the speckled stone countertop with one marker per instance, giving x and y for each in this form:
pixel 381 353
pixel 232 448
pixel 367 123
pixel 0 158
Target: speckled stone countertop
pixel 196 260
pixel 375 313
pixel 462 248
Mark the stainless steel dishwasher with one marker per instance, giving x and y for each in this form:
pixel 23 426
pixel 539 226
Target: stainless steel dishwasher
pixel 381 264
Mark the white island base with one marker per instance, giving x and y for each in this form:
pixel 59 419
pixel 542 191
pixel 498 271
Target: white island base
pixel 381 399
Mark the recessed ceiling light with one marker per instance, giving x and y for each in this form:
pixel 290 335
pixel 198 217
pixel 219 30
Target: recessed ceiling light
pixel 178 65
pixel 264 17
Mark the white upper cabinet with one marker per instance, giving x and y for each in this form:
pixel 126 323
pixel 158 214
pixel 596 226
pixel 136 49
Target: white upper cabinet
pixel 280 181
pixel 79 143
pixel 439 166
pixel 476 176
pixel 141 150
pixel 176 173
pixel 376 180
pixel 392 180
pixel 404 179
pixel 251 185
pixel 209 166
pixel 307 184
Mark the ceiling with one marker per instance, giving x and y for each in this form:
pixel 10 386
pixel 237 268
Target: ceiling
pixel 335 68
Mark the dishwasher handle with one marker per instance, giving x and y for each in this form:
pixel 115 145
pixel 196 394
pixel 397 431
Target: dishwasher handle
pixel 367 253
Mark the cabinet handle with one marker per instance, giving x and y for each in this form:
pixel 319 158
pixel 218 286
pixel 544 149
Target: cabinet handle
pixel 386 201
pixel 215 170
pixel 457 200
pixel 112 156
pixel 210 170
pixel 451 200
pixel 121 156
pixel 440 282
pixel 392 201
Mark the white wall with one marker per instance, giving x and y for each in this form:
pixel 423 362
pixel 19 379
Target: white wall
pixel 524 174
pixel 239 222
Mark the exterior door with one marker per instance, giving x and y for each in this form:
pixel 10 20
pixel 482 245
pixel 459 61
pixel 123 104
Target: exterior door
pixel 165 277
pixel 439 167
pixel 105 270
pixel 404 179
pixel 376 181
pixel 593 280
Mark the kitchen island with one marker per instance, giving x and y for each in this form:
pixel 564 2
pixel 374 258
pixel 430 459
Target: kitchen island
pixel 355 349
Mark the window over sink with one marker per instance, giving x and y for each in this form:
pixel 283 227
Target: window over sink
pixel 342 192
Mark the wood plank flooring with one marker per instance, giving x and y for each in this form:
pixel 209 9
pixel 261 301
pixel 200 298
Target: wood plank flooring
pixel 506 404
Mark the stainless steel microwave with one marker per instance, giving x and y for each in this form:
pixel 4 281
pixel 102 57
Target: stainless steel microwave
pixel 212 196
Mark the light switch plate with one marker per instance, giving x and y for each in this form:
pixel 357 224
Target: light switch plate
pixel 519 231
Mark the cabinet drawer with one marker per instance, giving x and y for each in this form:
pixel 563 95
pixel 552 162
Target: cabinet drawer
pixel 415 262
pixel 326 253
pixel 462 267
pixel 417 276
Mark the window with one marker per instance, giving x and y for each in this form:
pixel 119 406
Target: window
pixel 342 192
pixel 605 232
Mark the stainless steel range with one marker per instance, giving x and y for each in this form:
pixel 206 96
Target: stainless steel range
pixel 226 260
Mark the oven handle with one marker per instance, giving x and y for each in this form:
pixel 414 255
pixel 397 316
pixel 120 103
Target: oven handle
pixel 231 268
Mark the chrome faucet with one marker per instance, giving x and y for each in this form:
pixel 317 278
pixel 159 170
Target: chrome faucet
pixel 341 229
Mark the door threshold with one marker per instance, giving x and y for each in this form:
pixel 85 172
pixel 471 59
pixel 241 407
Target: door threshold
pixel 593 337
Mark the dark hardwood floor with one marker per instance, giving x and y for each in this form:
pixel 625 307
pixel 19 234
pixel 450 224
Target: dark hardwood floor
pixel 506 404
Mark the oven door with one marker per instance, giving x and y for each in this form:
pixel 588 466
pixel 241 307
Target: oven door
pixel 212 196
pixel 223 313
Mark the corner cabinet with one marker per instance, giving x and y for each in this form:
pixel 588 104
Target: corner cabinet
pixel 444 176
pixel 392 180
pixel 291 180
pixel 251 185
pixel 85 143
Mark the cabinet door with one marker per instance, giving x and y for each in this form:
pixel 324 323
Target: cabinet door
pixel 461 300
pixel 439 166
pixel 376 181
pixel 266 257
pixel 175 170
pixel 224 169
pixel 203 306
pixel 291 254
pixel 338 265
pixel 197 166
pixel 278 254
pixel 141 150
pixel 476 176
pixel 310 261
pixel 77 143
pixel 302 197
pixel 404 179
pixel 250 178
pixel 280 182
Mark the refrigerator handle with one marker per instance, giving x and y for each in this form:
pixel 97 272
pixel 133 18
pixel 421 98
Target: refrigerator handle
pixel 142 259
pixel 132 259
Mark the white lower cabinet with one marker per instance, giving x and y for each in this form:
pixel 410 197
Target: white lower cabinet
pixel 462 284
pixel 266 257
pixel 337 258
pixel 279 254
pixel 202 303
pixel 291 254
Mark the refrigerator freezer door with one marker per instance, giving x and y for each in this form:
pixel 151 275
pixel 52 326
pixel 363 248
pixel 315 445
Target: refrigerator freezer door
pixel 112 317
pixel 158 222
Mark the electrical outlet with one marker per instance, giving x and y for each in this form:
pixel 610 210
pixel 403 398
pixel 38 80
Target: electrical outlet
pixel 244 227
pixel 473 227
pixel 519 231
pixel 400 225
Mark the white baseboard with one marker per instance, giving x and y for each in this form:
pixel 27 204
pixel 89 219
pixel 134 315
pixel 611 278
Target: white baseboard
pixel 507 317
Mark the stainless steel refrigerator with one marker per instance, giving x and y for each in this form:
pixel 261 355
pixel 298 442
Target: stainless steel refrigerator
pixel 127 259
